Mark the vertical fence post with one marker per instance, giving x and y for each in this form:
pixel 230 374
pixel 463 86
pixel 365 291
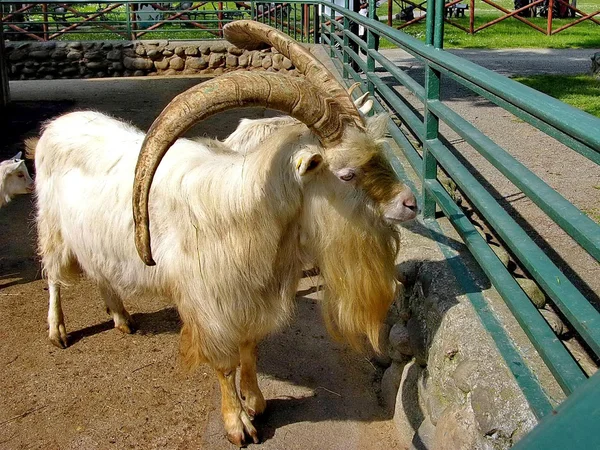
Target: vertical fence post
pixel 371 46
pixel 4 87
pixel 345 55
pixel 435 37
pixel 389 21
pixel 45 18
pixel 316 24
pixel 220 17
pixel 332 32
pixel 550 11
pixel 472 17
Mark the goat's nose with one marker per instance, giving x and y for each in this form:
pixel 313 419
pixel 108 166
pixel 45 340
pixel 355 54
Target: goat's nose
pixel 408 199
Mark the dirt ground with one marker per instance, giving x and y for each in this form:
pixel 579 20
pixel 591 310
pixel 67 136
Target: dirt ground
pixel 108 390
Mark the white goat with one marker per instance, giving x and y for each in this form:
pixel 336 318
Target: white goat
pixel 229 229
pixel 14 179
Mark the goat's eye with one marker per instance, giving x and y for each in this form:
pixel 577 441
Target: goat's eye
pixel 347 176
pixel 20 175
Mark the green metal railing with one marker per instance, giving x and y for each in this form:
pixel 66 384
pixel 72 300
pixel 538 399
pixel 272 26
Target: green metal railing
pixel 572 127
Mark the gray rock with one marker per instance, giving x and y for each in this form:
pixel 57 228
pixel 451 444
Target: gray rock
pixel 180 51
pixel 139 73
pixel 114 55
pixel 231 61
pixel 218 47
pixel 204 48
pixel 216 60
pixel 154 54
pixel 107 46
pixel 533 291
pixel 129 52
pixel 243 60
pixel 399 343
pixel 581 356
pixel 59 54
pixel 87 45
pixel 278 61
pixel 417 341
pixel 218 71
pixel 75 45
pixel 235 51
pixel 29 71
pixel 100 74
pixel 17 55
pixel 140 50
pixel 74 55
pixel 390 384
pixel 137 63
pixel 465 375
pixel 167 52
pixel 267 62
pixel 117 66
pixel 596 65
pixel 456 429
pixel 176 63
pixel 287 64
pixel 94 55
pixel 424 437
pixel 257 58
pixel 408 412
pixel 70 70
pixel 39 54
pixel 555 322
pixel 96 65
pixel 191 51
pixel 162 64
pixel 194 63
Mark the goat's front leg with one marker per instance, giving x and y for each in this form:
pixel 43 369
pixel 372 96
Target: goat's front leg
pixel 56 322
pixel 236 420
pixel 253 398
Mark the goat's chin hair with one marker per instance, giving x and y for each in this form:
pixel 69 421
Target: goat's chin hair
pixel 356 254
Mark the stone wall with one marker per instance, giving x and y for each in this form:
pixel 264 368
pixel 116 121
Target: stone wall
pixel 444 381
pixel 50 60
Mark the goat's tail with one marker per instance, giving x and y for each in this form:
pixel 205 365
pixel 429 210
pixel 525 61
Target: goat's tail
pixel 30 145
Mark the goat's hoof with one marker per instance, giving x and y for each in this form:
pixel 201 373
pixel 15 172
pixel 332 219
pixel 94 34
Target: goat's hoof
pixel 58 337
pixel 128 327
pixel 125 324
pixel 238 435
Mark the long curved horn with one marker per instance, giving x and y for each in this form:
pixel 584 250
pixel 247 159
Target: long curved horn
pixel 252 35
pixel 297 97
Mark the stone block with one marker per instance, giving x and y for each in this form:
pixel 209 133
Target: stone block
pixel 196 63
pixel 176 63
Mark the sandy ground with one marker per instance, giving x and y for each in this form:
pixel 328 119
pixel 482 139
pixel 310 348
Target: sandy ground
pixel 114 391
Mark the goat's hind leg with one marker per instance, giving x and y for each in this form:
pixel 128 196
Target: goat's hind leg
pixel 253 398
pixel 114 306
pixel 57 332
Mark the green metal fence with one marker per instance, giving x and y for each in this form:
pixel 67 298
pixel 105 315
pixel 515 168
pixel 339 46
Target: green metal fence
pixel 572 127
pixel 140 19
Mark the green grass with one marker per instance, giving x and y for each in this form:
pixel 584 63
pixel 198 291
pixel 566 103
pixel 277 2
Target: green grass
pixel 510 33
pixel 580 91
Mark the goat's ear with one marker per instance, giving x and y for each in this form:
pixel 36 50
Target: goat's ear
pixel 377 126
pixel 307 163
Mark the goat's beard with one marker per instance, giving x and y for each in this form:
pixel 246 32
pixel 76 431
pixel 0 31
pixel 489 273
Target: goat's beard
pixel 356 255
